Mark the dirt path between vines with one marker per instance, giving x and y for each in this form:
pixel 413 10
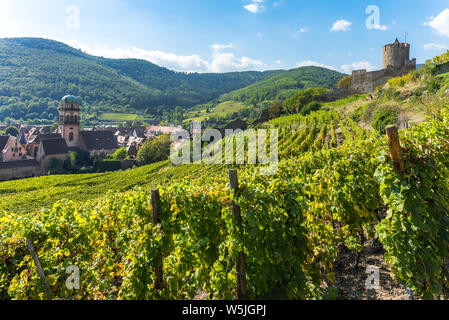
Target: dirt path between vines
pixel 350 280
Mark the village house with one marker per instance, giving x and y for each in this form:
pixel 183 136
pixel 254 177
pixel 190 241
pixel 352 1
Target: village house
pixel 12 149
pixel 14 163
pixel 51 149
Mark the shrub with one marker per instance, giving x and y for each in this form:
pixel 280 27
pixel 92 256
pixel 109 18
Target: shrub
pixel 384 116
pixel 154 150
pixel 56 166
pixel 313 106
pixel 401 81
pixel 434 86
pixel 120 154
pixel 108 165
pixel 389 94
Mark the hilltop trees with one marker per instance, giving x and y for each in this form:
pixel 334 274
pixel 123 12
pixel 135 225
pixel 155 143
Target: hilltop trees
pixel 12 131
pixel 345 83
pixel 301 99
pixel 275 109
pixel 154 150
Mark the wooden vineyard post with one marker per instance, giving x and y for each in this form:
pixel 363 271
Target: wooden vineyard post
pixel 158 271
pixel 395 148
pixel 240 263
pixel 39 269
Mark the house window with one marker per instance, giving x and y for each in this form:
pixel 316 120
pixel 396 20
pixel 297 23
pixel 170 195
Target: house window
pixel 71 136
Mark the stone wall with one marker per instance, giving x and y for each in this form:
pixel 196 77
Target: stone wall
pixel 10 171
pixel 46 161
pixel 128 164
pixel 333 95
pixel 441 68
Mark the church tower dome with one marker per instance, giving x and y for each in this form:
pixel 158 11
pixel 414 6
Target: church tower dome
pixel 69 120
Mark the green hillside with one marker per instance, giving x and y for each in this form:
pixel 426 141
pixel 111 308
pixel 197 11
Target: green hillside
pixel 35 73
pixel 282 86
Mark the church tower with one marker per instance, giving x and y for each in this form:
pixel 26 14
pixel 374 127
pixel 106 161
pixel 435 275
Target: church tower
pixel 69 120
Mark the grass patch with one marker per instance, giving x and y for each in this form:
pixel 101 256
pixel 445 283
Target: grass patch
pixel 221 110
pixel 119 116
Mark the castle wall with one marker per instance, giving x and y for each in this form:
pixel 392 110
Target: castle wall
pixel 396 62
pixel 366 82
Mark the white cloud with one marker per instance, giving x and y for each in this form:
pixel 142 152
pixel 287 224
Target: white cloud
pixel 218 47
pixel 435 46
pixel 348 68
pixel 262 35
pixel 226 62
pixel 299 32
pixel 380 27
pixel 440 23
pixel 220 62
pixel 278 3
pixel 307 63
pixel 255 6
pixel 341 25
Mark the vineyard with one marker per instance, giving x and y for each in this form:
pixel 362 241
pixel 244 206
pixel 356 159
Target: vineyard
pixel 336 185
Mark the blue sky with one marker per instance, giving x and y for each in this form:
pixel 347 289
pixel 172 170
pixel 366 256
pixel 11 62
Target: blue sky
pixel 230 35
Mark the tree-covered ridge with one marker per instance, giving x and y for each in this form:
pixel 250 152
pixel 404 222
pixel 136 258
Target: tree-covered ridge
pixel 282 86
pixel 35 73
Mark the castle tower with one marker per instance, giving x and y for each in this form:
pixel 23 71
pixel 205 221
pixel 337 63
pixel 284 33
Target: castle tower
pixel 397 55
pixel 69 120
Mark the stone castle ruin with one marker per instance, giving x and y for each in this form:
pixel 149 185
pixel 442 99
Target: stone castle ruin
pixel 396 62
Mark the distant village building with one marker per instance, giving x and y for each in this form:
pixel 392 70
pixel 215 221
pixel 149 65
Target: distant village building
pixel 12 149
pixel 51 149
pixel 94 142
pixel 14 163
pixel 31 153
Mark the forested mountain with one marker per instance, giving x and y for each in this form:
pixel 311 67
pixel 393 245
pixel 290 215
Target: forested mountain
pixel 283 85
pixel 35 73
